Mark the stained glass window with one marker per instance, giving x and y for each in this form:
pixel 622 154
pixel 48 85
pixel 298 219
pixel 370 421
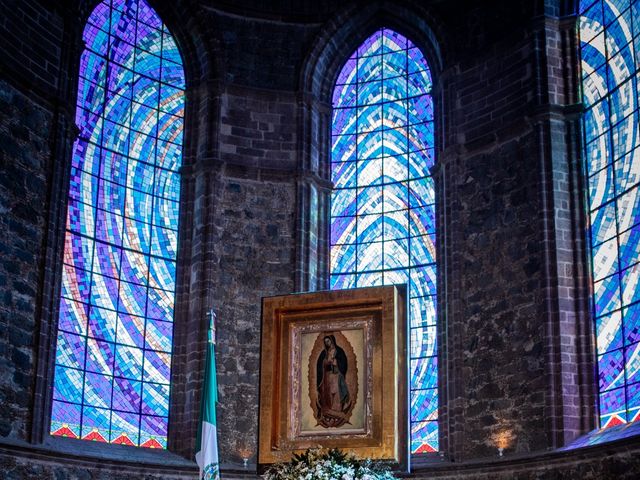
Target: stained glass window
pixel 113 353
pixel 610 46
pixel 382 206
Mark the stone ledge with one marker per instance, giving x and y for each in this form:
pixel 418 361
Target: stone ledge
pixel 78 459
pixel 617 459
pixel 77 455
pixel 70 458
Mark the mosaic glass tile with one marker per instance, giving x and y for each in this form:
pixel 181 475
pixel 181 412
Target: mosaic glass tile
pixel 382 209
pixel 111 381
pixel 612 167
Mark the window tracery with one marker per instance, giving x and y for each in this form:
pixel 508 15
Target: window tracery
pixel 115 325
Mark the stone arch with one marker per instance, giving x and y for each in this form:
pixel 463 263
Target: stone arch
pixel 197 44
pixel 337 40
pixel 346 31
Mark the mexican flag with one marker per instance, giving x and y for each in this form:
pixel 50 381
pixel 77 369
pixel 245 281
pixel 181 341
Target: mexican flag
pixel 207 440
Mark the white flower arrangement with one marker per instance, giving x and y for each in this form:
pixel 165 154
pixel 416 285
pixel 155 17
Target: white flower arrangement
pixel 314 464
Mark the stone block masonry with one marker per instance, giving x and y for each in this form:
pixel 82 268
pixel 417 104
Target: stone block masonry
pixel 24 158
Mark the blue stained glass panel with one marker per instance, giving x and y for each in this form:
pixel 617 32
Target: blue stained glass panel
pixel 95 423
pixel 613 407
pixel 153 430
pixel 605 259
pixel 395 277
pixel 68 383
pixel 424 405
pixel 130 330
pixel 156 366
pixel 633 399
pixel 611 368
pixel 629 279
pixel 369 279
pixel 628 206
pixel 369 229
pixel 423 309
pixel 73 316
pixel 100 355
pixel 338 281
pixel 395 225
pixel 369 256
pixel 71 350
pixel 159 335
pixel 632 323
pixel 423 342
pixel 67 417
pixel 382 208
pixel 124 427
pixel 632 365
pixel 423 370
pixel 606 295
pixel 75 283
pixel 157 395
pixel 97 389
pixel 128 362
pixel 118 279
pixel 611 121
pixel 424 433
pixel 102 324
pixel 609 332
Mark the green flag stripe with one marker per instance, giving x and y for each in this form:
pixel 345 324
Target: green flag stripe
pixel 209 392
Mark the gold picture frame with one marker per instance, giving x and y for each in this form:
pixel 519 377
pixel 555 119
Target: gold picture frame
pixel 333 374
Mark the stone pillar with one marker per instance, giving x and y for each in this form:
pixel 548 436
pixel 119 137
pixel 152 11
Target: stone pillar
pixel 313 190
pixel 515 332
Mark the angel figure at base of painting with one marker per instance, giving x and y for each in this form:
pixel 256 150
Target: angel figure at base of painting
pixel 333 393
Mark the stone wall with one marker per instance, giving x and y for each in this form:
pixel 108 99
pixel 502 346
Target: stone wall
pixel 509 190
pixel 254 253
pixel 514 332
pixel 32 43
pixel 24 157
pixel 497 250
pixel 501 260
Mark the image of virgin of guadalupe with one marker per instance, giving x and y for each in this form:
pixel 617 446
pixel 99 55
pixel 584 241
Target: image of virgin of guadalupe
pixel 333 402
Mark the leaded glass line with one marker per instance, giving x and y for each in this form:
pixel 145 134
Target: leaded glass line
pixel 115 326
pixel 610 48
pixel 383 205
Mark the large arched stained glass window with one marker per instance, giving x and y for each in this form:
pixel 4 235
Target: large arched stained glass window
pixel 113 354
pixel 610 45
pixel 382 208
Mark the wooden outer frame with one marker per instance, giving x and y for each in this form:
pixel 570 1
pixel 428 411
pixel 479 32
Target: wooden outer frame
pixel 383 310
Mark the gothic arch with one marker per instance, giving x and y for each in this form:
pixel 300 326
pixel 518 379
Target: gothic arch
pixel 197 45
pixel 352 25
pixel 328 53
pixel 327 56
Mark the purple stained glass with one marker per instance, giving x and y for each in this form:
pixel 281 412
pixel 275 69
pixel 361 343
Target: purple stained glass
pixel 126 395
pixel 612 165
pixel 382 207
pixel 153 431
pixel 111 381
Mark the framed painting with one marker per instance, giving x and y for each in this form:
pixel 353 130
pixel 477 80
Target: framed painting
pixel 333 374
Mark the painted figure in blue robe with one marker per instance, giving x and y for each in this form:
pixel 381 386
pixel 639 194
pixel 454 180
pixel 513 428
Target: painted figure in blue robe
pixel 333 393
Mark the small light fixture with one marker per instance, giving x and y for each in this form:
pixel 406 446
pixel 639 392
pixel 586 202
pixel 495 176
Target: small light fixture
pixel 245 453
pixel 502 439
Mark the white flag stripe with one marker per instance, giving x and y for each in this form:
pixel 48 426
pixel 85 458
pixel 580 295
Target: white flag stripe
pixel 207 458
